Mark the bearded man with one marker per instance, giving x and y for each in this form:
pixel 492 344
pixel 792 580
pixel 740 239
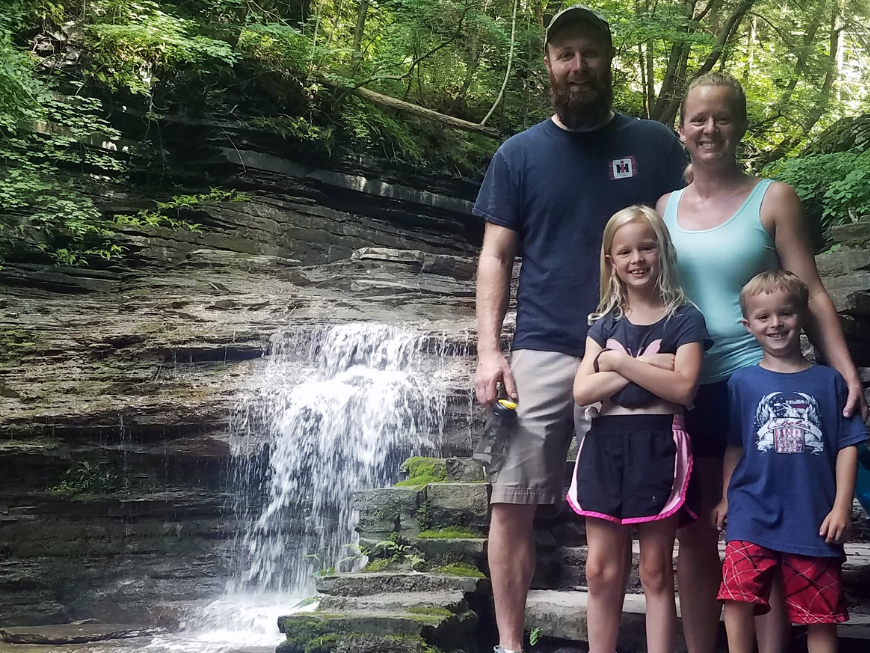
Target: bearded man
pixel 550 190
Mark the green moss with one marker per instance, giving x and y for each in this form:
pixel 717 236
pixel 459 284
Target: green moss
pixel 461 569
pixel 420 466
pixel 432 612
pixel 376 565
pixel 418 481
pixel 447 533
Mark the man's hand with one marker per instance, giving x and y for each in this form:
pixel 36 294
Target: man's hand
pixel 856 402
pixel 720 512
pixel 837 526
pixel 492 369
pixel 662 361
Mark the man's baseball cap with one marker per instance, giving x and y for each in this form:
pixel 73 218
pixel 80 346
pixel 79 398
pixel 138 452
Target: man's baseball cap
pixel 578 13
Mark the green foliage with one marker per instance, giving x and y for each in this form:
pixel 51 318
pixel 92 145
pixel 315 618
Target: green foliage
pixel 535 636
pixel 162 214
pixel 135 41
pixel 43 207
pixel 835 188
pixel 461 569
pixel 88 478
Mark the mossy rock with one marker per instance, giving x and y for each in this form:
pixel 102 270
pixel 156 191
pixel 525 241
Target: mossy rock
pixel 447 533
pixel 460 569
pixel 422 470
pixel 376 632
pixel 361 643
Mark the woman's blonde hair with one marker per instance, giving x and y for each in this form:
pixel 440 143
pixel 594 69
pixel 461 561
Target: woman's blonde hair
pixel 612 292
pixel 717 78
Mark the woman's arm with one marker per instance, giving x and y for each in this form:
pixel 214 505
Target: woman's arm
pixel 591 386
pixel 782 213
pixel 677 386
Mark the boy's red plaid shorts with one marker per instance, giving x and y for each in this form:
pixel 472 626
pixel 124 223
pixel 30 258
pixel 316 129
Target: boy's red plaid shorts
pixel 813 586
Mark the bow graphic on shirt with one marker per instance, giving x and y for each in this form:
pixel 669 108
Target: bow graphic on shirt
pixel 651 348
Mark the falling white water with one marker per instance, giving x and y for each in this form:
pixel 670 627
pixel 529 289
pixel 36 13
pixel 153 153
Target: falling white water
pixel 336 410
pixel 337 416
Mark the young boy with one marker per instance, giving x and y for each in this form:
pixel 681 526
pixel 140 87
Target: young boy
pixel 789 472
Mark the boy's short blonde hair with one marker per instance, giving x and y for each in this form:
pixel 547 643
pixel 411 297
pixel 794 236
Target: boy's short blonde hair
pixel 773 280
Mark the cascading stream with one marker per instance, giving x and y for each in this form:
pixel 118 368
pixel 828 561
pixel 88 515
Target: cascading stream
pixel 336 417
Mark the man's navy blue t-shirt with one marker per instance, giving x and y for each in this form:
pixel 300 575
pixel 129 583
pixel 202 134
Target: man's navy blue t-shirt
pixel 557 189
pixel 791 428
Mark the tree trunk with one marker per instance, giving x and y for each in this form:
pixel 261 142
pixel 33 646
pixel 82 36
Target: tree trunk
pixel 356 57
pixel 824 97
pixel 428 114
pixel 669 104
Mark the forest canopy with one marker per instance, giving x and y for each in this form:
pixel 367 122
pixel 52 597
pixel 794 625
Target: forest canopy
pixel 430 83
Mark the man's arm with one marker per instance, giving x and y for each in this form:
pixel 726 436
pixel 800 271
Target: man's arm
pixel 493 296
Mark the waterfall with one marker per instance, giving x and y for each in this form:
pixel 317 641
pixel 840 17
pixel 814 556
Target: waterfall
pixel 338 411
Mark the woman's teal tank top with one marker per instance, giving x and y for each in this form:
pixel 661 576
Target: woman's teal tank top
pixel 714 265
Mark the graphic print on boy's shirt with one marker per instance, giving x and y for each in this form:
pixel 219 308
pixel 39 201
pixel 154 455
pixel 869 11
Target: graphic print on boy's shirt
pixel 788 422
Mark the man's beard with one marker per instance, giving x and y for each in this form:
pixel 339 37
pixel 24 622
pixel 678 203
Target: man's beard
pixel 582 109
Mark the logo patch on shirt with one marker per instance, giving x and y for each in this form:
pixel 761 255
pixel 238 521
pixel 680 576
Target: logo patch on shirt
pixel 623 168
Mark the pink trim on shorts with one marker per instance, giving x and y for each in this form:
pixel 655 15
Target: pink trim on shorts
pixel 683 464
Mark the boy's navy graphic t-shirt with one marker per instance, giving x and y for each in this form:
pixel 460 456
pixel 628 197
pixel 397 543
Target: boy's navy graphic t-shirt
pixel 791 428
pixel 663 337
pixel 557 189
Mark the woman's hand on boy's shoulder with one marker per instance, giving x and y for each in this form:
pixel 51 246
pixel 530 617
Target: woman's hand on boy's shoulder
pixel 837 526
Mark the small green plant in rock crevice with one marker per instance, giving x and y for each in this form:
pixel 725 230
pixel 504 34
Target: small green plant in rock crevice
pixel 84 477
pixel 163 212
pixel 396 551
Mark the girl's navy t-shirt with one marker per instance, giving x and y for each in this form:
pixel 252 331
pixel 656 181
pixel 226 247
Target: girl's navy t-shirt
pixel 663 337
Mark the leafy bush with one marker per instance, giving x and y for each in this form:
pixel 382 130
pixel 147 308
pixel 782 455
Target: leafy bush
pixel 136 41
pixel 835 188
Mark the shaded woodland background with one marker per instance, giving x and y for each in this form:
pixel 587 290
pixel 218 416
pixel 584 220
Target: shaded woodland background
pixel 85 86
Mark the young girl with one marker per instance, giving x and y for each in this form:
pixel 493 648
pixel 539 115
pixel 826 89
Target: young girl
pixel 642 361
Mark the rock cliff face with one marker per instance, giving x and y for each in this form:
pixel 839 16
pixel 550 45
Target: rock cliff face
pixel 118 386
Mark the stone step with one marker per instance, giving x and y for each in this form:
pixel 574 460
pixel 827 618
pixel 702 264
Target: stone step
pixel 562 615
pixel 362 584
pixel 408 510
pixel 374 630
pixel 437 550
pixel 451 600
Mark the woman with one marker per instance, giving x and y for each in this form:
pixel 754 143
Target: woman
pixel 728 226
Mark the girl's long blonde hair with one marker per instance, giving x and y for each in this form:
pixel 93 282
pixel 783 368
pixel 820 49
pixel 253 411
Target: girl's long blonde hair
pixel 612 292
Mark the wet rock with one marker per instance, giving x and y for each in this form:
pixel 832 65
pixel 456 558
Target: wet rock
pixel 385 511
pixel 78 633
pixel 362 584
pixel 458 504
